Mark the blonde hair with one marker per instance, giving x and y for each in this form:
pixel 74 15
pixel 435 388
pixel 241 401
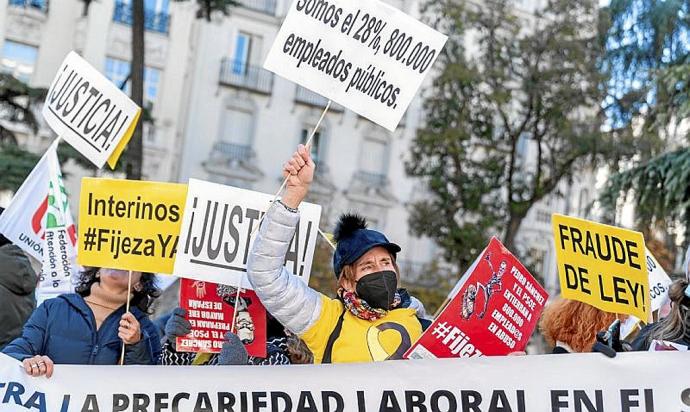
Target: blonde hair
pixel 677 324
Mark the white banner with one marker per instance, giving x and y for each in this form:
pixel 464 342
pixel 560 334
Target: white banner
pixel 362 54
pixel 59 260
pixel 636 382
pixel 89 112
pixel 217 229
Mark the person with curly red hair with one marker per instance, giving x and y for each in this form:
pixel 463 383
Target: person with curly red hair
pixel 571 326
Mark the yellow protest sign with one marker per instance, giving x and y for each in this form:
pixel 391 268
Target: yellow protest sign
pixel 130 225
pixel 602 265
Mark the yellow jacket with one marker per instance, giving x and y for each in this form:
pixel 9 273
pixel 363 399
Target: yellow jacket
pixel 361 340
pixel 314 316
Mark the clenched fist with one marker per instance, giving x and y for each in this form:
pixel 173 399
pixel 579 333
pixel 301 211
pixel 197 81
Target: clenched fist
pixel 299 171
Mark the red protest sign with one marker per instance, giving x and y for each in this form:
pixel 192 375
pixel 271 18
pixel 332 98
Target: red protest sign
pixel 210 308
pixel 493 313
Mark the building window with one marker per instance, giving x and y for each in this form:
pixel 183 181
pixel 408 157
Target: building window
pixel 238 127
pixel 157 6
pixel 18 60
pixel 33 4
pixel 117 71
pixel 243 68
pixel 247 52
pixel 374 157
pixel 262 6
pixel 241 58
pixel 156 16
pixel 151 82
pixel 316 141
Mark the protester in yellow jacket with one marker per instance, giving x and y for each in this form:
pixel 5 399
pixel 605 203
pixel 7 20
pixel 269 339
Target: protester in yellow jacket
pixel 372 320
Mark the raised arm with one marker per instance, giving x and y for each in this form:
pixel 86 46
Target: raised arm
pixel 286 297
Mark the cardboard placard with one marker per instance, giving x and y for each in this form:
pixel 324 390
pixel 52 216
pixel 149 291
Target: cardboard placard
pixel 210 308
pixel 602 265
pixel 130 225
pixel 84 108
pixel 493 313
pixel 659 282
pixel 363 54
pixel 217 234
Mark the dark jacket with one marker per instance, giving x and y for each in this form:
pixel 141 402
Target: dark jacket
pixel 64 329
pixel 644 340
pixel 17 285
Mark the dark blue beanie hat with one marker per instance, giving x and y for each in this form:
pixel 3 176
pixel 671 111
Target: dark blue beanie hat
pixel 354 240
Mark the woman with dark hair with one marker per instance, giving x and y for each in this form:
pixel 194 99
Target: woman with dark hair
pixel 90 326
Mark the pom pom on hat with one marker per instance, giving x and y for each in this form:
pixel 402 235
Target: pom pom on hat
pixel 348 224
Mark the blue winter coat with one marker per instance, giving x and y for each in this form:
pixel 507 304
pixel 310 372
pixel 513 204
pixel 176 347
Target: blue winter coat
pixel 64 329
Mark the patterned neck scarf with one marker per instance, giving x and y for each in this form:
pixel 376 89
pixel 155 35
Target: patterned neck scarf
pixel 360 308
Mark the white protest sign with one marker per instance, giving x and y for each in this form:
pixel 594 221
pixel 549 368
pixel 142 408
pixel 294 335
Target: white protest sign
pixel 217 228
pixel 637 382
pixel 362 54
pixel 659 282
pixel 89 112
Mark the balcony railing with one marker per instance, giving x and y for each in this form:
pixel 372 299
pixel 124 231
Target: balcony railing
pixel 245 76
pixel 158 22
pixel 233 151
pixel 306 96
pixel 41 5
pixel 372 179
pixel 262 6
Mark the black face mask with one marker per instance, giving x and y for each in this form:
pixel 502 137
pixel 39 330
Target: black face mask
pixel 378 289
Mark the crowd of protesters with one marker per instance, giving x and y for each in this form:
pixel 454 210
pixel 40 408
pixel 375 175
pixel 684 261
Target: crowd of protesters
pixel 91 325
